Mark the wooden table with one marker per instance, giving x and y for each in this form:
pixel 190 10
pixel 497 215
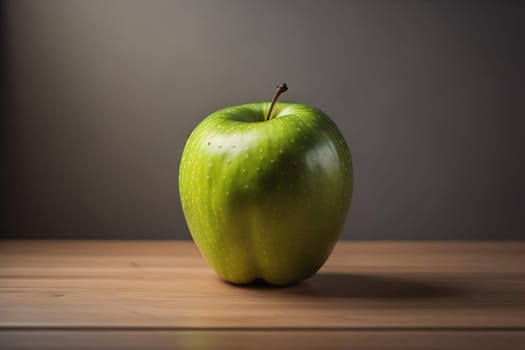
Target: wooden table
pixel 160 295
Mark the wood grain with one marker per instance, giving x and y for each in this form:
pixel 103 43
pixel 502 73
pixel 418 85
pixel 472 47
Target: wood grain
pixel 252 340
pixel 167 284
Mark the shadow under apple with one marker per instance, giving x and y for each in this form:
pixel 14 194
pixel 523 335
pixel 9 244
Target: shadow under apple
pixel 345 285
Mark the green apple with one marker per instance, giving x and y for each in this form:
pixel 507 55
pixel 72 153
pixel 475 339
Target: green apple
pixel 265 189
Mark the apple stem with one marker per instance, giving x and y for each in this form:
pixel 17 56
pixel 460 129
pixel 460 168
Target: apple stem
pixel 278 91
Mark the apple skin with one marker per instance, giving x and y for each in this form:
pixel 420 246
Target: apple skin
pixel 266 200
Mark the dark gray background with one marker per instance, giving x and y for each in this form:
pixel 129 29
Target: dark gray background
pixel 99 96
